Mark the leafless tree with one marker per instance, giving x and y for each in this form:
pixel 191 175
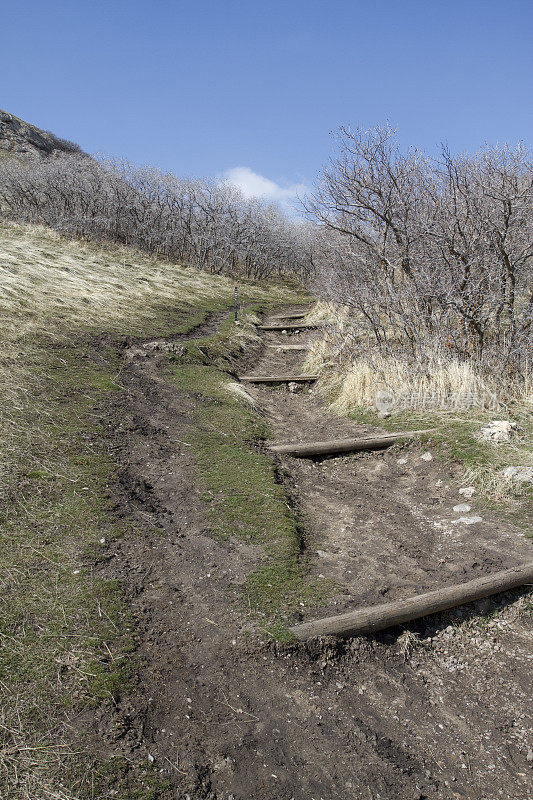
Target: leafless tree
pixel 209 225
pixel 434 254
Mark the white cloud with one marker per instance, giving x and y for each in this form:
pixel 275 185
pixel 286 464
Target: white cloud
pixel 252 184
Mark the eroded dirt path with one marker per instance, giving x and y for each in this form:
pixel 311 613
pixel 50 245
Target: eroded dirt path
pixel 384 521
pixel 224 716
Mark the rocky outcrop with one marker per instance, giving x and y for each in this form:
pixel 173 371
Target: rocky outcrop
pixel 22 140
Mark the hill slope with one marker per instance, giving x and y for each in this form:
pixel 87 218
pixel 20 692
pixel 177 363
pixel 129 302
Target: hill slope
pixel 152 549
pixel 23 140
pixel 67 307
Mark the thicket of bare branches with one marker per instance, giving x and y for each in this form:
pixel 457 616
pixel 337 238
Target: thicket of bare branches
pixel 204 224
pixel 430 255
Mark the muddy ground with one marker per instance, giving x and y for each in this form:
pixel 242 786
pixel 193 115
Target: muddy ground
pixel 440 709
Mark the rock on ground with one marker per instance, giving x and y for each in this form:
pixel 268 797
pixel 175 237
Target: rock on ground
pixel 499 431
pixel 518 474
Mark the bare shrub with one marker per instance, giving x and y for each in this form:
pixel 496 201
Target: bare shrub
pixel 204 224
pixel 430 259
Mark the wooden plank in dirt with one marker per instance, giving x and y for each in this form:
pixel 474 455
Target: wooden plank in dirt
pixel 307 326
pixel 386 615
pixel 279 378
pixel 290 316
pixel 283 347
pixel 334 446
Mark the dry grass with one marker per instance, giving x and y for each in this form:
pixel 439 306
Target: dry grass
pixel 321 313
pixel 448 396
pixel 238 390
pixel 47 281
pixel 444 385
pixel 28 760
pixel 51 286
pixel 408 642
pixel 493 485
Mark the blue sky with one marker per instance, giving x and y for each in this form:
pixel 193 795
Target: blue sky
pixel 253 89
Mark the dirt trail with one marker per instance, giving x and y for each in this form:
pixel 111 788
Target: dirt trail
pixel 383 522
pixel 228 718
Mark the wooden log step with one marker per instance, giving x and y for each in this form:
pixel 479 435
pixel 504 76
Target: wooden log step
pixel 334 446
pixel 286 327
pixel 279 378
pixel 386 615
pixel 282 347
pixel 291 316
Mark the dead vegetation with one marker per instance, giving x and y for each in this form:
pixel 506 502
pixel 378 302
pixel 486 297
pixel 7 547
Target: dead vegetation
pixel 203 223
pixel 424 269
pixel 428 264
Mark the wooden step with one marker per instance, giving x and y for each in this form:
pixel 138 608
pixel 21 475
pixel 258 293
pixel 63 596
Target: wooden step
pixel 290 316
pixel 286 327
pixel 279 378
pixel 385 615
pixel 335 446
pixel 282 347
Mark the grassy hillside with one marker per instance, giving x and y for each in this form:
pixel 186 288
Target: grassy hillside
pixel 52 289
pixel 66 307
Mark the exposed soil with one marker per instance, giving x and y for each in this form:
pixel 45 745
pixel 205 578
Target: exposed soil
pixel 438 712
pixel 383 521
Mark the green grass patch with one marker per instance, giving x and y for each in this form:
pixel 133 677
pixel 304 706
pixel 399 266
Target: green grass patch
pixel 246 499
pixel 65 637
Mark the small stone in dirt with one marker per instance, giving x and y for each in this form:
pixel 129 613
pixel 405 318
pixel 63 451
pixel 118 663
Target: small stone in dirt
pixel 467 520
pixel 529 756
pixel 498 431
pixel 426 456
pixel 467 491
pixel 462 508
pixel 293 387
pixel 402 461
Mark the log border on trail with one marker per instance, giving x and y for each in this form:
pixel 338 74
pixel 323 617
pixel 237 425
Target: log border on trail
pixel 279 378
pixel 290 316
pixel 304 327
pixel 387 615
pixel 311 449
